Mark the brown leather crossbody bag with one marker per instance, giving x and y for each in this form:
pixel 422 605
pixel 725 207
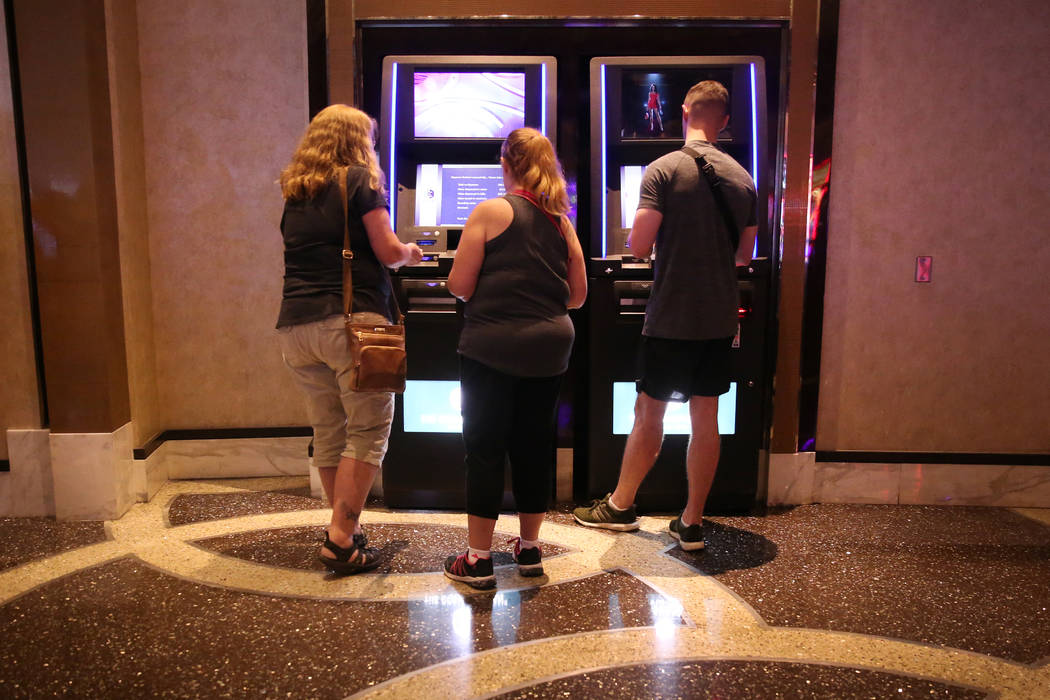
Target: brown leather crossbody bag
pixel 377 350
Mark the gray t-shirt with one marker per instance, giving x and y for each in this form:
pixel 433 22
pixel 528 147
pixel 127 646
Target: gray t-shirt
pixel 694 295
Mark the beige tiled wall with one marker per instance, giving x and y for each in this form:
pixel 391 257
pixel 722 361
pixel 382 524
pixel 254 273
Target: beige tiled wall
pixel 224 98
pixel 19 406
pixel 940 149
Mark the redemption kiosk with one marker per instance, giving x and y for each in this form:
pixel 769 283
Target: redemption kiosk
pixel 442 122
pixel 636 118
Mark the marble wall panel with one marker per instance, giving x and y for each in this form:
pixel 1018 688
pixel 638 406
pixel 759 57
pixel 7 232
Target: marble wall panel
pixel 791 478
pixel 156 469
pixel 976 485
pixel 224 102
pixel 850 482
pixel 94 474
pixel 64 79
pixel 130 173
pixel 237 457
pixel 796 479
pixel 19 402
pixel 938 152
pixel 28 490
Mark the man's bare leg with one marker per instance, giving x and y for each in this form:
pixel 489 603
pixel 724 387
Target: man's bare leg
pixel 702 458
pixel 643 446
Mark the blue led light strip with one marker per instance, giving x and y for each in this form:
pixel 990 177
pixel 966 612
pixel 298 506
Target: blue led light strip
pixel 543 99
pixel 754 129
pixel 754 146
pixel 603 138
pixel 393 130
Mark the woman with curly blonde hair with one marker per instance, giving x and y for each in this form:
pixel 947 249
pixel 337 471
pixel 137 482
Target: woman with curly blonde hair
pixel 519 268
pixel 351 429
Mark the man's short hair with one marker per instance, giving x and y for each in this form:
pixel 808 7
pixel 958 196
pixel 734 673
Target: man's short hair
pixel 707 97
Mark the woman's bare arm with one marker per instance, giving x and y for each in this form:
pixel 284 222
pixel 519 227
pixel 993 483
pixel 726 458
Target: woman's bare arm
pixel 577 267
pixel 390 251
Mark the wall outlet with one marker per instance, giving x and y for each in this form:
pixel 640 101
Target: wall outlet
pixel 924 268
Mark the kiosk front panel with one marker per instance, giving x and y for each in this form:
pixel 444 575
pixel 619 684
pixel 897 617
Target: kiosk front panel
pixel 443 120
pixel 636 118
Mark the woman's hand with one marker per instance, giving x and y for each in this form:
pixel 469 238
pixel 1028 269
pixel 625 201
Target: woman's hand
pixel 415 254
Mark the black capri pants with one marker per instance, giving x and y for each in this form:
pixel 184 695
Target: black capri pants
pixel 507 416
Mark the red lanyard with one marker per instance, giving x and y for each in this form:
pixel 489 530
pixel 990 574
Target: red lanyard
pixel 532 198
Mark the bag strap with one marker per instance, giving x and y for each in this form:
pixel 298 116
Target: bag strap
pixel 348 256
pixel 708 172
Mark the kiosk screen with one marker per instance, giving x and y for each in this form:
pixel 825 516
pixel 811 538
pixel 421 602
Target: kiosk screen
pixel 630 189
pixel 463 105
pixel 446 194
pixel 432 407
pixel 676 419
pixel 652 101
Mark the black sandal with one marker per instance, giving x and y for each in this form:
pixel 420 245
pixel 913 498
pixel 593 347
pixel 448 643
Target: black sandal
pixel 349 560
pixel 360 538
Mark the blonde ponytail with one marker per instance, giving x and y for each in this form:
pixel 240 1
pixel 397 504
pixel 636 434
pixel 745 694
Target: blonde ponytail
pixel 531 160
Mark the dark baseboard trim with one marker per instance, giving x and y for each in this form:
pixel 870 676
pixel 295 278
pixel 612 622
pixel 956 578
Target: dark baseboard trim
pixel 979 458
pixel 5 465
pixel 219 434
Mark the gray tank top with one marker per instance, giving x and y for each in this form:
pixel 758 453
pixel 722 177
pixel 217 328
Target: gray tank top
pixel 517 321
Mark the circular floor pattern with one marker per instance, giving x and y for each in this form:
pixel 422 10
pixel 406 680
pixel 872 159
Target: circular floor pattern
pixel 211 580
pixel 739 679
pixel 405 549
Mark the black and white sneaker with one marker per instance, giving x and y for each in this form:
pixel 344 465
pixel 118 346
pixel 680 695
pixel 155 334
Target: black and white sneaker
pixel 690 538
pixel 529 561
pixel 477 575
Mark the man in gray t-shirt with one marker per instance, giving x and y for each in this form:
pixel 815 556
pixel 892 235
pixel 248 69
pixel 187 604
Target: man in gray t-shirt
pixel 692 312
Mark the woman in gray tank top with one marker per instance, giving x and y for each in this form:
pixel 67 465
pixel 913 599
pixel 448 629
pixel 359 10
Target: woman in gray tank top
pixel 519 268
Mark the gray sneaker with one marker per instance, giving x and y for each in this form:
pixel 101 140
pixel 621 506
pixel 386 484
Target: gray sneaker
pixel 690 538
pixel 602 514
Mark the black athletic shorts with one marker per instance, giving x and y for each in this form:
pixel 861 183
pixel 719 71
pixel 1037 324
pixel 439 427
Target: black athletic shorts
pixel 674 370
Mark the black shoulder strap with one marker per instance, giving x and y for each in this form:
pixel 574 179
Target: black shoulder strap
pixel 707 171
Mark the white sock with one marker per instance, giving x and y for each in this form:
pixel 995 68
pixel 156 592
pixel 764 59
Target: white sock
pixel 613 504
pixel 529 544
pixel 474 554
pixel 685 522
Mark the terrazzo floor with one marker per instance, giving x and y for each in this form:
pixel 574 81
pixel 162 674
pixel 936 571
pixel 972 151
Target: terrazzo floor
pixel 213 590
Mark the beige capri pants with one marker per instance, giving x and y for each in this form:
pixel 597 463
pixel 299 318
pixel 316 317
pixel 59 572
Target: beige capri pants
pixel 345 422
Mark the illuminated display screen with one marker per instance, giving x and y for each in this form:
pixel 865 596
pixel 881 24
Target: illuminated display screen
pixel 432 407
pixel 463 105
pixel 630 189
pixel 652 100
pixel 446 194
pixel 676 419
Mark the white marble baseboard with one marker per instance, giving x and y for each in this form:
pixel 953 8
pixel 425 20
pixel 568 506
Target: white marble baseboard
pixel 976 484
pixel 28 490
pixel 150 474
pixel 790 481
pixel 94 474
pixel 316 489
pixel 235 457
pixel 797 479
